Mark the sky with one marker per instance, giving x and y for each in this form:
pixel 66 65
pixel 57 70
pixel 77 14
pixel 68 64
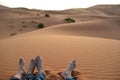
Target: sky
pixel 55 4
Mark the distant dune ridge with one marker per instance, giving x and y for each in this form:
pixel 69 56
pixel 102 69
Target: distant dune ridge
pixel 98 10
pixel 92 40
pixel 3 7
pixel 20 20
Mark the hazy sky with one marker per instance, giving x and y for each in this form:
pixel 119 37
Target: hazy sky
pixel 55 4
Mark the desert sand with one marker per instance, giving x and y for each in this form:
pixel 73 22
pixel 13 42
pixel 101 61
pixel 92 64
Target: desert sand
pixel 93 41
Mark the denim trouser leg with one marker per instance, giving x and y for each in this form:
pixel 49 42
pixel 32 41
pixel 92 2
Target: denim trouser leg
pixel 40 76
pixel 28 77
pixel 73 78
pixel 13 78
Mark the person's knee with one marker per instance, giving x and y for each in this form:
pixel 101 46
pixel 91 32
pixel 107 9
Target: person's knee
pixel 37 79
pixel 71 78
pixel 40 77
pixel 28 76
pixel 14 78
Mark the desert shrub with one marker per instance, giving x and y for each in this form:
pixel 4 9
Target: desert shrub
pixel 20 29
pixel 69 20
pixel 11 26
pixel 33 22
pixel 37 14
pixel 24 26
pixel 40 25
pixel 12 34
pixel 47 15
pixel 23 21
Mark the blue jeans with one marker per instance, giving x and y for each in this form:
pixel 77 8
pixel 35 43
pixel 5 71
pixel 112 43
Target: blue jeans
pixel 40 76
pixel 73 78
pixel 13 78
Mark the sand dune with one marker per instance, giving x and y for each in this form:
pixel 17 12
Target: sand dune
pixel 96 58
pixel 107 9
pixel 3 7
pixel 108 28
pixel 93 41
pixel 21 20
pixel 104 10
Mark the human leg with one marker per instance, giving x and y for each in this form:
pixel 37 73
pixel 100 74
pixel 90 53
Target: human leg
pixel 20 72
pixel 67 74
pixel 29 74
pixel 41 73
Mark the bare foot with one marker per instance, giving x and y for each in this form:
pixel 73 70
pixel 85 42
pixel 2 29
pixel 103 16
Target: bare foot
pixel 39 64
pixel 31 67
pixel 21 69
pixel 67 73
pixel 71 66
pixel 22 64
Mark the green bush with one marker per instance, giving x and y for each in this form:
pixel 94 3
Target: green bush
pixel 47 15
pixel 37 14
pixel 12 34
pixel 69 20
pixel 40 25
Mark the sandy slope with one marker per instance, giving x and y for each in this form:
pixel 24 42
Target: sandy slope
pixel 28 21
pixel 21 20
pixel 3 7
pixel 96 58
pixel 104 10
pixel 93 41
pixel 107 28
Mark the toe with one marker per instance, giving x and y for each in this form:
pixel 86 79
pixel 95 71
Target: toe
pixel 21 61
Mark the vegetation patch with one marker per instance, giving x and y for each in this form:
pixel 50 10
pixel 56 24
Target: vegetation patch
pixel 24 26
pixel 20 29
pixel 69 20
pixel 37 14
pixel 33 22
pixel 12 34
pixel 47 15
pixel 40 26
pixel 23 21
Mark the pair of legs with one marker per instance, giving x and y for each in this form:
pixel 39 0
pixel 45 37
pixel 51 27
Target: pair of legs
pixel 67 74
